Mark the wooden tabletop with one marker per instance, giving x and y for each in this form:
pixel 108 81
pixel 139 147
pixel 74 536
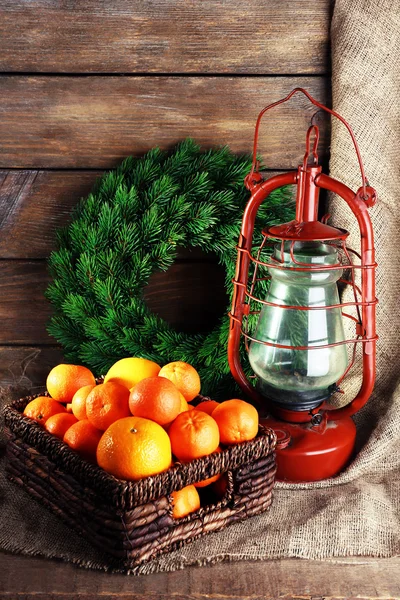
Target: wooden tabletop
pixel 370 578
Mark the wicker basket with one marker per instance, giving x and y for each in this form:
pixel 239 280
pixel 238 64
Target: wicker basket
pixel 132 521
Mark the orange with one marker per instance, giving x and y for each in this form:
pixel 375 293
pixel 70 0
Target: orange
pixel 210 480
pixel 193 434
pixel 68 408
pixel 58 424
pixel 78 404
pixel 207 406
pixel 184 405
pixel 185 501
pixel 237 421
pixel 155 398
pixel 83 437
pixel 184 376
pixel 64 380
pixel 129 371
pixel 107 403
pixel 133 448
pixel 42 408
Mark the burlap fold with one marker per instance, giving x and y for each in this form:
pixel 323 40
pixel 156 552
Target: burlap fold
pixel 357 513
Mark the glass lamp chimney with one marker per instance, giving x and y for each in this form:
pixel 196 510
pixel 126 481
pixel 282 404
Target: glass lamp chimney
pixel 300 378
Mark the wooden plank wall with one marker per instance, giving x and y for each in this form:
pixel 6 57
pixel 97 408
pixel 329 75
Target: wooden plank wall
pixel 86 83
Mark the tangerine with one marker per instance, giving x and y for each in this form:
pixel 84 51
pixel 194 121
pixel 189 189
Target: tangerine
pixel 78 403
pixel 155 398
pixel 42 408
pixel 84 438
pixel 185 501
pixel 193 434
pixel 184 405
pixel 237 421
pixel 207 406
pixel 133 448
pixel 129 371
pixel 64 380
pixel 107 403
pixel 184 376
pixel 59 424
pixel 209 480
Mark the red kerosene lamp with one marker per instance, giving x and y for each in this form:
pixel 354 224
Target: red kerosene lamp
pixel 295 336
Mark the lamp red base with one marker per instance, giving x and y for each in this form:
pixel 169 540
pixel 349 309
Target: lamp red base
pixel 311 452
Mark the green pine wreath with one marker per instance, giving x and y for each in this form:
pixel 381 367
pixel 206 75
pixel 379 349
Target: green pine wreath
pixel 131 226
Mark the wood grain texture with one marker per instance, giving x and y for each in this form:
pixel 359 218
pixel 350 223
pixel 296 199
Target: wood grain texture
pixel 94 122
pixel 34 204
pixel 190 296
pixel 27 366
pixel 288 579
pixel 164 36
pixel 24 311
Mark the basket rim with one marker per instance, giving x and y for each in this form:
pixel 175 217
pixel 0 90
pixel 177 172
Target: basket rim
pixel 128 494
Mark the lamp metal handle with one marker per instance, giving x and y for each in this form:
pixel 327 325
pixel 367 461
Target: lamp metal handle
pixel 368 194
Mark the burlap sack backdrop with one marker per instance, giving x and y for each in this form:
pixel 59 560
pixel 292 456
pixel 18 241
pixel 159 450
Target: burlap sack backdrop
pixel 358 512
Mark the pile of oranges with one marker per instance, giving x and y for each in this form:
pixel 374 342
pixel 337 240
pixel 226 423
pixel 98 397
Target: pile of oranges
pixel 140 420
